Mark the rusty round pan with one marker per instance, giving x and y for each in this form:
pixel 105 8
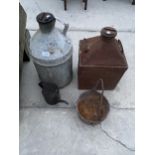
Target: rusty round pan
pixel 92 106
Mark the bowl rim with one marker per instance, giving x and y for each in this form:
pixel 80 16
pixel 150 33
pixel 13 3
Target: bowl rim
pixel 91 121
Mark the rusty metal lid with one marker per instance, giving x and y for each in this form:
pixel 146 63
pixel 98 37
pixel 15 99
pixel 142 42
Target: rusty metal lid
pixel 103 50
pixel 108 32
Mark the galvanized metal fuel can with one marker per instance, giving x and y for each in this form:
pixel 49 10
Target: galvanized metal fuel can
pixel 51 51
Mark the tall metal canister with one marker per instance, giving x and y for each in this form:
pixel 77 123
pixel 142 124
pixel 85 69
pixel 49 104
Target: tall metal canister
pixel 51 51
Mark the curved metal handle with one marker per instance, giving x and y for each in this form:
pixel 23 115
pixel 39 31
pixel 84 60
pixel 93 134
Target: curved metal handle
pixel 100 81
pixel 66 26
pixel 65 29
pixel 101 96
pixel 63 101
pixel 121 46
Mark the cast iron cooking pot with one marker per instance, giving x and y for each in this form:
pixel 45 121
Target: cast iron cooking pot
pixel 92 106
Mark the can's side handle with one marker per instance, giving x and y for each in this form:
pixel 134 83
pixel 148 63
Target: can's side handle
pixel 121 46
pixel 66 26
pixel 62 101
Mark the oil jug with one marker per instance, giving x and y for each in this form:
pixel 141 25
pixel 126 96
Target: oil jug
pixel 51 51
pixel 101 57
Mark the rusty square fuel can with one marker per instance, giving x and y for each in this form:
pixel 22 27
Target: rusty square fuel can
pixel 101 57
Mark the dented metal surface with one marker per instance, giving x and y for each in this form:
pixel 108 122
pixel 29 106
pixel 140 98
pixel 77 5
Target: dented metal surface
pixel 51 51
pixel 101 57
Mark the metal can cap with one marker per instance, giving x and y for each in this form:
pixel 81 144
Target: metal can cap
pixel 108 32
pixel 45 17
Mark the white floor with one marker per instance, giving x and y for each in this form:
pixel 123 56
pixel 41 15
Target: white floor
pixel 57 130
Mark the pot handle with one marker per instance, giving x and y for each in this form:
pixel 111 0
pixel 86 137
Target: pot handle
pixel 100 81
pixel 66 26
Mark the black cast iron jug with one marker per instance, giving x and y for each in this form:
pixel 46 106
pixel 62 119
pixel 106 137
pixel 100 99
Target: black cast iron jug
pixel 51 93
